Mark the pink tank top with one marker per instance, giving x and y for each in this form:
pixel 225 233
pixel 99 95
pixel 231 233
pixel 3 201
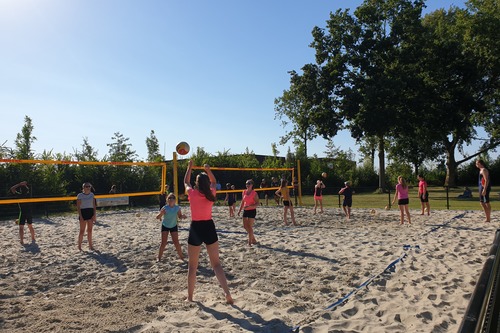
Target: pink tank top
pixel 248 199
pixel 201 207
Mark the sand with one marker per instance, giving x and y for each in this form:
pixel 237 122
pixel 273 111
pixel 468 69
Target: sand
pixel 328 275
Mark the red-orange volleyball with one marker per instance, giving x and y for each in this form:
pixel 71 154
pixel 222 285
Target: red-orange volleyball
pixel 182 148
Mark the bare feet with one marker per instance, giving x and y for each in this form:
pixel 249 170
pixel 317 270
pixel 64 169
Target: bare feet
pixel 229 299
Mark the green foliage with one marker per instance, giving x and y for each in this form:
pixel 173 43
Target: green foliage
pixel 120 150
pixel 153 148
pixel 24 140
pixel 394 170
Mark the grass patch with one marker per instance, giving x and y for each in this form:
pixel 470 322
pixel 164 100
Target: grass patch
pixel 438 199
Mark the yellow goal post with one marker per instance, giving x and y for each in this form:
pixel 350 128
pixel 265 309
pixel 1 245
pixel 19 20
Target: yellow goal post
pixel 163 165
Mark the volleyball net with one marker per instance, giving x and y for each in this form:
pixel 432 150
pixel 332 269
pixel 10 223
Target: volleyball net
pixel 292 175
pixel 87 163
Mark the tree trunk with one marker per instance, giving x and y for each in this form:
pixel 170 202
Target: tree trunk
pixel 451 168
pixel 381 164
pixel 372 156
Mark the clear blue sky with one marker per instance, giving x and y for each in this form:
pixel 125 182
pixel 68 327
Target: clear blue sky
pixel 205 72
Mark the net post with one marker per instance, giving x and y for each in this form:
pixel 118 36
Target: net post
pixel 176 180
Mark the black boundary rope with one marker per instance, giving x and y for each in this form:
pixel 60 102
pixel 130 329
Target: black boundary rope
pixel 391 268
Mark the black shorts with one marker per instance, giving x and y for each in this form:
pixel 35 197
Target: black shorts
pixel 174 229
pixel 422 199
pixel 347 202
pixel 287 203
pixel 87 213
pixel 484 198
pixel 403 201
pixel 25 217
pixel 251 213
pixel 202 232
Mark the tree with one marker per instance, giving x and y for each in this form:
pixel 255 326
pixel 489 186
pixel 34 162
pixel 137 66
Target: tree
pixel 461 83
pixel 305 105
pixel 153 148
pixel 24 141
pixel 4 150
pixel 87 153
pixel 362 59
pixel 120 150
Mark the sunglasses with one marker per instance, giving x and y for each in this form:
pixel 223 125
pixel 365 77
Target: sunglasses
pixel 248 184
pixel 171 198
pixel 86 186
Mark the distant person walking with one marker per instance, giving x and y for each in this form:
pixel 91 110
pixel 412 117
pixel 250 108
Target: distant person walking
pixel 295 184
pixel 484 189
pixel 249 204
pixel 22 191
pixel 170 214
pixel 230 199
pixel 318 195
pixel 275 183
pixel 202 229
pixel 347 203
pixel 265 196
pixel 86 207
pixel 403 200
pixel 423 194
pixel 284 193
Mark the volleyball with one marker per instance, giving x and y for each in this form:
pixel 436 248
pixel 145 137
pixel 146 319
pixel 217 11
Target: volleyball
pixel 182 148
pixel 324 175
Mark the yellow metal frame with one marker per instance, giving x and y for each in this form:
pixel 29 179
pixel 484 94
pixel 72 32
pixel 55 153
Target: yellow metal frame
pixel 72 198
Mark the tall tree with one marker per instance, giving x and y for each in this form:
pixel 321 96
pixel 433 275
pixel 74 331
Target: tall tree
pixel 461 83
pixel 24 140
pixel 120 150
pixel 153 146
pixel 88 153
pixel 306 105
pixel 361 58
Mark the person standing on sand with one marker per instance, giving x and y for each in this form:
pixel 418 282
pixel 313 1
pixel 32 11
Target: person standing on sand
pixel 318 195
pixel 284 193
pixel 347 203
pixel 403 200
pixel 265 195
pixel 484 189
pixel 423 194
pixel 170 213
pixel 86 207
pixel 295 184
pixel 22 191
pixel 249 204
pixel 202 230
pixel 230 199
pixel 275 183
